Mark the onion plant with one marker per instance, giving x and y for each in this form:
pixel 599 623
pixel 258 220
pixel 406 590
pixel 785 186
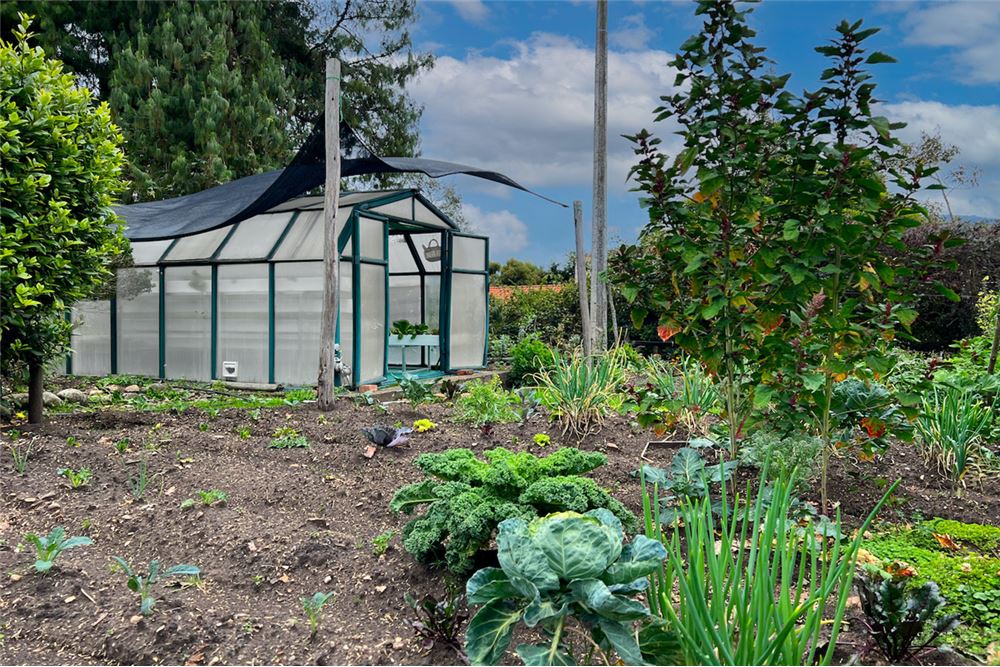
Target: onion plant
pixel 581 390
pixel 951 427
pixel 757 592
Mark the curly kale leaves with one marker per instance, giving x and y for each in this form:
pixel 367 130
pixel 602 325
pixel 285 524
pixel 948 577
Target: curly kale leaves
pixel 466 498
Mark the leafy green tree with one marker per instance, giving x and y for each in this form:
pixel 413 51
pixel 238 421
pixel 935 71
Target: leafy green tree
pixel 202 98
pixel 61 171
pixel 765 252
pixel 518 272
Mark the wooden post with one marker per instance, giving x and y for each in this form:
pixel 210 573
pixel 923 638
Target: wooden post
pixel 581 276
pixel 599 234
pixel 995 346
pixel 331 254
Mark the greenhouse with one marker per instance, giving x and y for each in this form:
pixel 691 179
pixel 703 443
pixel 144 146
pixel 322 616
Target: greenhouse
pixel 243 301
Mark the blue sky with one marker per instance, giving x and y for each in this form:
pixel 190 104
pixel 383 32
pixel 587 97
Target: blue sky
pixel 512 89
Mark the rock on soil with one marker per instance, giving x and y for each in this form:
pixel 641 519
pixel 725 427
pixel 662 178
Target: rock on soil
pixel 50 400
pixel 73 396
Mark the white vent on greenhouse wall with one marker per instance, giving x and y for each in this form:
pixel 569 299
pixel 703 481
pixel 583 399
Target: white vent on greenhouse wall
pixel 230 370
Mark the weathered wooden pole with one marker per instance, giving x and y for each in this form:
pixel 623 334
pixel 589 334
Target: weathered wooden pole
pixel 581 275
pixel 331 254
pixel 995 347
pixel 599 233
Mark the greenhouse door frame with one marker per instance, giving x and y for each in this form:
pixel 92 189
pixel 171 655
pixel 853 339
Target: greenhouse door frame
pixel 448 271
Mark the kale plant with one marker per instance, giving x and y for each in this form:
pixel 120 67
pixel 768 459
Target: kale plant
pixel 48 547
pixel 562 570
pixel 143 583
pixel 897 614
pixel 467 498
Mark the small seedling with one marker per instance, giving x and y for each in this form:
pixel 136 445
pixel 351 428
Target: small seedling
pixel 439 621
pixel 203 426
pixel 287 437
pixel 72 441
pixel 424 425
pixel 48 547
pixel 207 498
pixel 312 607
pixel 255 414
pixel 243 432
pixel 121 446
pixel 20 451
pixel 140 482
pixel 380 543
pixel 77 478
pixel 143 583
pixel 541 439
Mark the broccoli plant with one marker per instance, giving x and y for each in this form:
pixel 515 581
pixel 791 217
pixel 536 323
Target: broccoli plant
pixel 48 547
pixel 143 583
pixel 897 614
pixel 467 498
pixel 385 436
pixel 566 569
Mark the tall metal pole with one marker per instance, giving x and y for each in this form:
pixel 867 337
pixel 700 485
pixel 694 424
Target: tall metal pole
pixel 331 256
pixel 599 233
pixel 581 275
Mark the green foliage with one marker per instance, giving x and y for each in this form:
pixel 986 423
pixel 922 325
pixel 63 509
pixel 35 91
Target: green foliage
pixel 206 498
pixel 424 425
pixel 287 437
pixel 863 415
pixel 564 568
pixel 529 357
pixel 142 583
pixel 415 391
pixel 485 403
pixel 897 614
pixel 139 483
pixel 296 396
pixel 966 576
pixel 551 314
pixel 798 451
pixel 762 598
pixel 20 452
pixel 48 547
pixel 77 478
pixel 688 476
pixel 380 543
pixel 951 427
pixel 580 392
pixel 517 272
pixel 60 176
pixel 439 621
pixel 541 439
pixel 764 255
pixel 313 606
pixel 404 328
pixel 466 498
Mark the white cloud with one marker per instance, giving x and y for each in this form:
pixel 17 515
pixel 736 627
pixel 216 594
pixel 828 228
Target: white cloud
pixel 473 11
pixel 970 28
pixel 508 233
pixel 975 130
pixel 530 115
pixel 632 33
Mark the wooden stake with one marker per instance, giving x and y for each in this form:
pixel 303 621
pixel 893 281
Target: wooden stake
pixel 599 234
pixel 331 254
pixel 581 275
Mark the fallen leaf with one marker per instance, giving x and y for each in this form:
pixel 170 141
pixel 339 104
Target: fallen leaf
pixel 946 541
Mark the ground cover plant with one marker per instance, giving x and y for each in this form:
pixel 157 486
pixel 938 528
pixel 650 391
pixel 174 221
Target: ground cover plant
pixel 466 498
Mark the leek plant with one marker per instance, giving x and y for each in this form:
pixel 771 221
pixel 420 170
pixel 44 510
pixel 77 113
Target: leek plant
pixel 581 391
pixel 951 427
pixel 757 594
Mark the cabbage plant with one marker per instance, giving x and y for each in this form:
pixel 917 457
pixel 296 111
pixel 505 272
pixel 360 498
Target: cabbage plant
pixel 560 573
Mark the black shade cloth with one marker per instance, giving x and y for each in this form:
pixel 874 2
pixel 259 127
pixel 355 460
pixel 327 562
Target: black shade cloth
pixel 246 197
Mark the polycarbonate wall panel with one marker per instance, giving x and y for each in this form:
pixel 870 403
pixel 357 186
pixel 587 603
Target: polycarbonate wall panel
pixel 197 246
pixel 149 252
pixel 139 321
pixel 432 301
pixel 242 312
pixel 404 304
pixel 254 238
pixel 91 342
pixel 429 244
pixel 469 253
pixel 372 233
pixel 373 325
pixel 298 304
pixel 400 257
pixel 468 320
pixel 188 313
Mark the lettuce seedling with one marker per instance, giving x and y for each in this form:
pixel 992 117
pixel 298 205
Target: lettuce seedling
pixel 48 547
pixel 143 583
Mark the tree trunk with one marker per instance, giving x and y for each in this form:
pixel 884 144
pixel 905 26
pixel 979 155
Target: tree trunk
pixel 331 253
pixel 36 387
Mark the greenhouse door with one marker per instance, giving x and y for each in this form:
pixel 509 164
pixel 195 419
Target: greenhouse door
pixel 467 300
pixel 371 307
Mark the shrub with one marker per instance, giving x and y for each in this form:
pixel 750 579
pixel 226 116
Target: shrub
pixel 529 357
pixel 466 498
pixel 486 403
pixel 561 569
pixel 553 315
pixel 798 451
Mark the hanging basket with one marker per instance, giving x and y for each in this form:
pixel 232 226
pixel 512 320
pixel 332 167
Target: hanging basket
pixel 432 251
